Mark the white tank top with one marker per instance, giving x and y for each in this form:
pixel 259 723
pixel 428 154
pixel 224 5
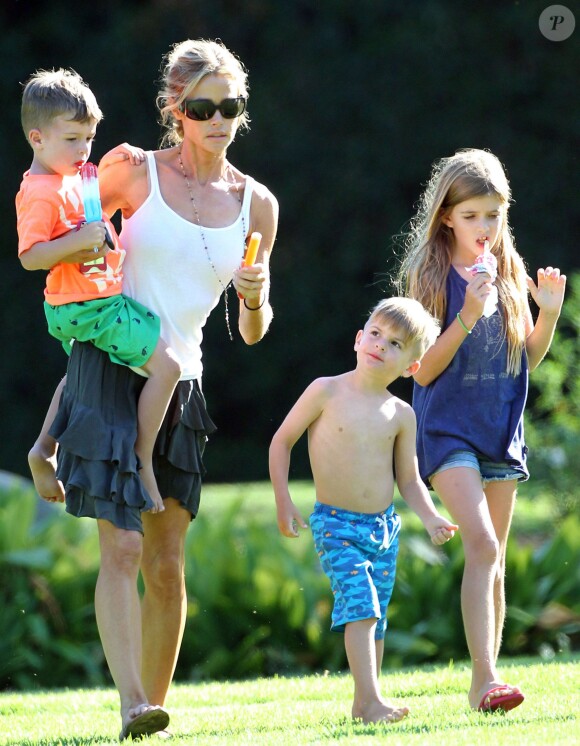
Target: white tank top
pixel 168 270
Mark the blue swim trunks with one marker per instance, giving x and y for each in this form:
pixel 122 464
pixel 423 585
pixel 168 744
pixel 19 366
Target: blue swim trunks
pixel 358 553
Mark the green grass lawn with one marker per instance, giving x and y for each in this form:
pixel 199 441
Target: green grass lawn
pixel 315 710
pixel 534 514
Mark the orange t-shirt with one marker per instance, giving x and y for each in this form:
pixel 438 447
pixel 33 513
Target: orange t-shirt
pixel 47 207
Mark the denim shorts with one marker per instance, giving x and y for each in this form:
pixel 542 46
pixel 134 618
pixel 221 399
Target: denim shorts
pixel 488 470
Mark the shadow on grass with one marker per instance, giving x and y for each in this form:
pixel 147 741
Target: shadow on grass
pixel 346 728
pixel 68 741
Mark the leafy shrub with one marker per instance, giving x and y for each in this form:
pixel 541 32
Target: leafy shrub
pixel 255 606
pixel 258 604
pixel 544 593
pixel 553 418
pixel 542 589
pixel 45 602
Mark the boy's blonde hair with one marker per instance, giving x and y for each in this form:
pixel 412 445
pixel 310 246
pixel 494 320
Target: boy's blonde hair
pixel 52 93
pixel 428 245
pixel 183 68
pixel 418 326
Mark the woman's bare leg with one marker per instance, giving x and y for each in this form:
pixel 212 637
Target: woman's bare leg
pixel 164 604
pixel 119 616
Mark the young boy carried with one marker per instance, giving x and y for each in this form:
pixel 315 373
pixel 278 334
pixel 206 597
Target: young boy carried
pixel 83 296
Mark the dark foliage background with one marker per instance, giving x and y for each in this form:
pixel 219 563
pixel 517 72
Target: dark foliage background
pixel 350 105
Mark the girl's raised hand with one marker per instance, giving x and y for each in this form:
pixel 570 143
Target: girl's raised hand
pixel 548 294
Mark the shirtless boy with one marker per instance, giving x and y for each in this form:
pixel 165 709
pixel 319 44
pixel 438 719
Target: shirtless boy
pixel 359 435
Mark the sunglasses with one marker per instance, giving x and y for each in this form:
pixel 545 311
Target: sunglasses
pixel 202 109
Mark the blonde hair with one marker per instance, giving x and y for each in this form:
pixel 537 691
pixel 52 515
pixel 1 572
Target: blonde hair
pixel 183 68
pixel 417 325
pixel 52 93
pixel 428 245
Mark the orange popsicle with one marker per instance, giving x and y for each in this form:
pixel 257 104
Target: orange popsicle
pixel 251 252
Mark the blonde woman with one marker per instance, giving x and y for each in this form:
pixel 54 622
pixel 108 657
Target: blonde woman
pixel 187 214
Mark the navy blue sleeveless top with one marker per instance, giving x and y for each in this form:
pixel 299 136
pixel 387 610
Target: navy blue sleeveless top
pixel 474 405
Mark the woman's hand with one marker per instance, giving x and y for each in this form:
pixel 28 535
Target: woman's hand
pixel 251 283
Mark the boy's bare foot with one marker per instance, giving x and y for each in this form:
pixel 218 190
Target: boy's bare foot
pixel 43 471
pixel 379 712
pixel 150 484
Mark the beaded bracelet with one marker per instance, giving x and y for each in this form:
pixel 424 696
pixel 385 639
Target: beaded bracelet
pixel 257 307
pixel 462 325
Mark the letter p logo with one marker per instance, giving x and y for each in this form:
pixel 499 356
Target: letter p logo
pixel 557 22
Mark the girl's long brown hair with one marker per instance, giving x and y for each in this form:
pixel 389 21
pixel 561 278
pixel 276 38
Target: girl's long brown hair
pixel 428 245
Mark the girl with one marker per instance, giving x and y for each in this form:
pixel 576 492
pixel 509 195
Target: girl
pixel 470 392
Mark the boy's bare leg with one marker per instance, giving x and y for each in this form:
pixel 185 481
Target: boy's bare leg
pixel 362 654
pixel 119 616
pixel 42 455
pixel 164 604
pixel 380 649
pixel 164 372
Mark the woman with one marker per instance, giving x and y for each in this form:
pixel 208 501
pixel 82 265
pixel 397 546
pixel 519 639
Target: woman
pixel 187 214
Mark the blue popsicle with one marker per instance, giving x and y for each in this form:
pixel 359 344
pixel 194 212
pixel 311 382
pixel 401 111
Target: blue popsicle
pixel 91 195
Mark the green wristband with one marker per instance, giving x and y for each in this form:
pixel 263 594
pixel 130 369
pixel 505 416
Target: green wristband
pixel 462 325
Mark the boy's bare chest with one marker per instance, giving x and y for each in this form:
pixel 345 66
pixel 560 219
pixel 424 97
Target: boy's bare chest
pixel 362 420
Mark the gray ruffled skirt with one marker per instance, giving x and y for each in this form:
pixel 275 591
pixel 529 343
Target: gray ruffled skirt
pixel 96 429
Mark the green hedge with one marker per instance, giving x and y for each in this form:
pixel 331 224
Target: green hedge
pixel 258 604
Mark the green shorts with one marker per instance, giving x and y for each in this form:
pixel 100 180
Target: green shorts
pixel 124 329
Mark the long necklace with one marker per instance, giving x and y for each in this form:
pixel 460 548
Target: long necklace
pixel 204 240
